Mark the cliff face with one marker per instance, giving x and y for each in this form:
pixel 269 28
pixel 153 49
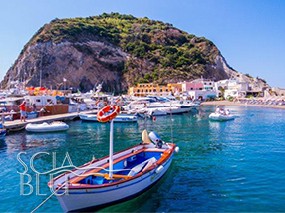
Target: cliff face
pixel 52 63
pixel 118 50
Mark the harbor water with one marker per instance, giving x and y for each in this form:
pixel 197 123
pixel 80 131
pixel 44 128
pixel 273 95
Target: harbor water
pixel 232 166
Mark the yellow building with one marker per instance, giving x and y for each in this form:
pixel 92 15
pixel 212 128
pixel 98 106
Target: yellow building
pixel 151 89
pixel 176 88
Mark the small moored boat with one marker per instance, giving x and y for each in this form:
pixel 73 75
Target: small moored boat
pixel 88 117
pixel 220 117
pixel 114 178
pixel 47 127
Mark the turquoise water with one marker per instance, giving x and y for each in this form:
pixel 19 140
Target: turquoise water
pixel 228 166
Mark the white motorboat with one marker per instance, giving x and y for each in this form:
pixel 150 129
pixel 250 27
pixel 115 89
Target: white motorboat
pixel 115 178
pixel 220 117
pixel 122 118
pixel 156 112
pixel 47 127
pixel 88 117
pixel 160 104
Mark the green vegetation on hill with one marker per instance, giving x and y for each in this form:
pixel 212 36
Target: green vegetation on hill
pixel 172 52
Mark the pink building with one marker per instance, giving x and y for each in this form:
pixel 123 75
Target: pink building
pixel 201 89
pixel 188 86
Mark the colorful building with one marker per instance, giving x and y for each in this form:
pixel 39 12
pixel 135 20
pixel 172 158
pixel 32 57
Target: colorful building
pixel 152 89
pixel 201 89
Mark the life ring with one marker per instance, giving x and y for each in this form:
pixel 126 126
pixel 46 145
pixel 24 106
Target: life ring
pixel 103 117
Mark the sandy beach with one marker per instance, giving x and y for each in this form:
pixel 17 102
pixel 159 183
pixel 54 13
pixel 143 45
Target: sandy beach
pixel 229 103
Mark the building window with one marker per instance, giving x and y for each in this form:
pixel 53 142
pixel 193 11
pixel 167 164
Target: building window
pixel 154 90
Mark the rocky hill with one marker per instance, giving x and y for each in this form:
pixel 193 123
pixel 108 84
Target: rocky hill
pixel 118 50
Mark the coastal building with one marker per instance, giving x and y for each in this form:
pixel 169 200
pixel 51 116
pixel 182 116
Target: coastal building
pixel 201 89
pixel 150 89
pixel 257 88
pixel 278 91
pixel 231 88
pixel 175 88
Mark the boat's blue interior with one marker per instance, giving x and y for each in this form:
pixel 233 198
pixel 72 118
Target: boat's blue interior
pixel 122 167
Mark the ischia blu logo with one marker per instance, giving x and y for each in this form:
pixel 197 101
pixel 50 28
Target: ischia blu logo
pixel 30 177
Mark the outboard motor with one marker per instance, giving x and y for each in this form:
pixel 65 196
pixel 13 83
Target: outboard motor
pixel 154 137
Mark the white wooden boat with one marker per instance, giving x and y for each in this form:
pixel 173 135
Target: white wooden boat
pixel 122 118
pixel 47 127
pixel 114 178
pixel 220 117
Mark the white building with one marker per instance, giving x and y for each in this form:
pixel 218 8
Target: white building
pixel 232 88
pixel 278 91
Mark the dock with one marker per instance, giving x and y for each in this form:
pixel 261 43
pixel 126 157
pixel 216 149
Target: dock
pixel 17 125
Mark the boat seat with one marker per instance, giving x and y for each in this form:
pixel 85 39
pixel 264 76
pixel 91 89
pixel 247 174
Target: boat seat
pixel 149 163
pixel 141 167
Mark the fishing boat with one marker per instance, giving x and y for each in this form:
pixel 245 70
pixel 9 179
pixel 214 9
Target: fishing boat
pixel 122 118
pixel 220 117
pixel 47 127
pixel 117 177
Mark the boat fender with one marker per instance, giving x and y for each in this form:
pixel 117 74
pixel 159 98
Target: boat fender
pixel 176 149
pixel 102 115
pixel 154 137
pixel 159 169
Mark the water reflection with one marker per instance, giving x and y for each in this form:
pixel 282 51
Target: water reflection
pixel 2 143
pixel 22 141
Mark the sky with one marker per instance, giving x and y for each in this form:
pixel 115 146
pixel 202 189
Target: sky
pixel 249 33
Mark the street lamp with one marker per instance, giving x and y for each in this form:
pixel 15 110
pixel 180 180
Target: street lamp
pixel 64 83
